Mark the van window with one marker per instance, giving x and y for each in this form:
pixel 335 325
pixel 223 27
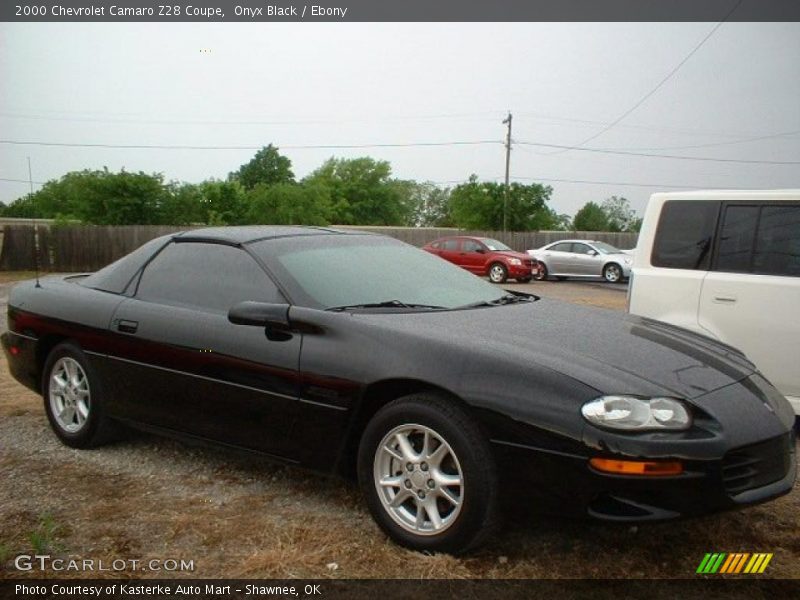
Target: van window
pixel 736 238
pixel 684 234
pixel 777 250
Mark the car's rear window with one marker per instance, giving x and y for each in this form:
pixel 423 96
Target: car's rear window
pixel 115 277
pixel 685 233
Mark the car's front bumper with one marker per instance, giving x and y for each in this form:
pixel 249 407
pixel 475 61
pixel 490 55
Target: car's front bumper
pixel 565 484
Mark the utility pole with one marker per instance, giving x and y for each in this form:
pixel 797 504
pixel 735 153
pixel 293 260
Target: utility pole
pixel 507 121
pixel 35 227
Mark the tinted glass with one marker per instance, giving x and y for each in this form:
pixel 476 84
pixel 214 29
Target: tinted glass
pixel 581 248
pixel 685 231
pixel 565 247
pixel 211 277
pixel 450 245
pixel 327 271
pixel 736 238
pixel 495 246
pixel 777 250
pixel 471 246
pixel 116 276
pixel 604 248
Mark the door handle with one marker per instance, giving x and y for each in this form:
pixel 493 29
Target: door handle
pixel 725 299
pixel 127 326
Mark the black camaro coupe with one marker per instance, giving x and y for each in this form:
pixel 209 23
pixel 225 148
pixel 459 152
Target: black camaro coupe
pixel 357 354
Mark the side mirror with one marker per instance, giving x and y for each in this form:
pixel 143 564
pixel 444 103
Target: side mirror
pixel 273 317
pixel 592 253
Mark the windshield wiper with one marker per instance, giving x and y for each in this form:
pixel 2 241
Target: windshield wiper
pixel 502 300
pixel 386 304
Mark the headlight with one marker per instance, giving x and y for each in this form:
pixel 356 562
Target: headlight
pixel 514 261
pixel 637 414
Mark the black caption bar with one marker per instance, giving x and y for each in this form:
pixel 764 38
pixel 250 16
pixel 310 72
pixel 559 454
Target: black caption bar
pixel 398 10
pixel 327 589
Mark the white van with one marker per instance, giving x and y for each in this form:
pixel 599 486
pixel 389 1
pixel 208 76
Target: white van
pixel 726 265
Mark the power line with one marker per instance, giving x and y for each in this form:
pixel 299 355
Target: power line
pixel 713 144
pixel 283 147
pixel 669 156
pixel 628 183
pixel 25 181
pixel 669 76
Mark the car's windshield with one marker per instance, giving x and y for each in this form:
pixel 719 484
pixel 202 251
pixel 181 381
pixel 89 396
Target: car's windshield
pixel 604 248
pixel 327 271
pixel 494 245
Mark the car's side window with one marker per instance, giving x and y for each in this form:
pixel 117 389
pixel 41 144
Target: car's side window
pixel 581 249
pixel 451 245
pixel 760 239
pixel 211 277
pixel 685 234
pixel 436 245
pixel 566 247
pixel 471 246
pixel 736 239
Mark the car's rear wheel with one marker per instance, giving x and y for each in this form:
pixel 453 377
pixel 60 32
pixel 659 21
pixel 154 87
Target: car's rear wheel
pixel 428 475
pixel 541 274
pixel 498 273
pixel 73 399
pixel 612 273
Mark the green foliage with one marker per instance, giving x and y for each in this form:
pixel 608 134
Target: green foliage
pixel 289 204
pixel 183 204
pixel 222 203
pixel 362 192
pixel 24 208
pixel 430 205
pixel 44 539
pixel 590 217
pixel 620 215
pixel 480 205
pixel 5 553
pixel 267 167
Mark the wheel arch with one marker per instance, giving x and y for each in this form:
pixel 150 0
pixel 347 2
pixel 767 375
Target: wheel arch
pixel 374 397
pixel 44 347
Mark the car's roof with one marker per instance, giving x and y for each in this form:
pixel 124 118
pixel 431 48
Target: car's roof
pixel 252 233
pixel 583 241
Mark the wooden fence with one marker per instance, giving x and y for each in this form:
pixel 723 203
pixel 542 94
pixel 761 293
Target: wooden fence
pixel 81 248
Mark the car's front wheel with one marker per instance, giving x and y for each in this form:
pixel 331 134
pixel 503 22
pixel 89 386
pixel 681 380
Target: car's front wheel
pixel 498 273
pixel 541 273
pixel 73 399
pixel 428 475
pixel 612 273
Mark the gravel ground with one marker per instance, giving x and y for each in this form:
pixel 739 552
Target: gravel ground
pixel 237 516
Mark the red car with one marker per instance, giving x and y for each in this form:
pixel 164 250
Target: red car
pixel 485 257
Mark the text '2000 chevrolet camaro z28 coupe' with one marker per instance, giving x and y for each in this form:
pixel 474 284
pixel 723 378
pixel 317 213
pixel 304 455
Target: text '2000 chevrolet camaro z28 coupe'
pixel 357 354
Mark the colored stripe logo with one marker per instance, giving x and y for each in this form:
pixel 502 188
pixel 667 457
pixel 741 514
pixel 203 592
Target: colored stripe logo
pixel 734 563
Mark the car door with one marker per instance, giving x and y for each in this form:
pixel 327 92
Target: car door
pixel 451 251
pixel 556 257
pixel 586 260
pixel 750 297
pixel 473 256
pixel 181 365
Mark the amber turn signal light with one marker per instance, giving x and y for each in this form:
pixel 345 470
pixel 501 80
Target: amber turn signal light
pixel 637 467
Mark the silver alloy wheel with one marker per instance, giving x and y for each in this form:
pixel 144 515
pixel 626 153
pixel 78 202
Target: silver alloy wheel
pixel 418 479
pixel 70 398
pixel 612 273
pixel 497 273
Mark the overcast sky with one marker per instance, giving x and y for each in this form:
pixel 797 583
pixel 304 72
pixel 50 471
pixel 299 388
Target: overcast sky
pixel 315 84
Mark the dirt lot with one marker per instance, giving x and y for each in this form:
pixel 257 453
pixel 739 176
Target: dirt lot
pixel 150 498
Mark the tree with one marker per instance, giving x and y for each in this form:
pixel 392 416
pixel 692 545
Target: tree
pixel 289 204
pixel 223 203
pixel 267 167
pixel 480 205
pixel 431 206
pixel 362 192
pixel 590 217
pixel 183 205
pixel 620 215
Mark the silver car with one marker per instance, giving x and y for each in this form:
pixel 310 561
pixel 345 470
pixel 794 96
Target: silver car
pixel 582 258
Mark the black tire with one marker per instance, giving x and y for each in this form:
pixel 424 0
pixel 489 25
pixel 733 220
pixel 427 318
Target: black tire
pixel 478 515
pixel 498 273
pixel 612 273
pixel 541 274
pixel 96 429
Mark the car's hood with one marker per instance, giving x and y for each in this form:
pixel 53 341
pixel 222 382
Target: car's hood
pixel 512 254
pixel 607 350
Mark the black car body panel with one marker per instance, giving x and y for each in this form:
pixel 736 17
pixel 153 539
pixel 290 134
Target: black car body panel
pixel 523 370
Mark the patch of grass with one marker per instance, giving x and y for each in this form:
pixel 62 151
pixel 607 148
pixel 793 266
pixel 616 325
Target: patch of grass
pixel 5 552
pixel 44 539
